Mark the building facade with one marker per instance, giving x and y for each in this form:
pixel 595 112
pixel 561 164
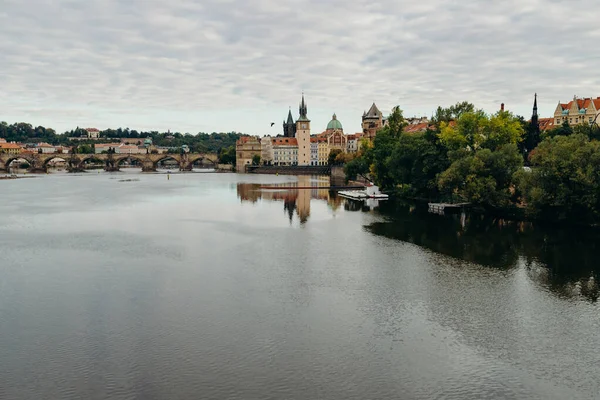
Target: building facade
pixel 246 148
pixel 314 150
pixel 285 151
pixel 10 148
pixel 372 121
pixel 577 111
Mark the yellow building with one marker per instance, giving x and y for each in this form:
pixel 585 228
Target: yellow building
pixel 10 148
pixel 322 151
pixel 577 111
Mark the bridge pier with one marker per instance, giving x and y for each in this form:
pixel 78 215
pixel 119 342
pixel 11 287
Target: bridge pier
pixel 148 166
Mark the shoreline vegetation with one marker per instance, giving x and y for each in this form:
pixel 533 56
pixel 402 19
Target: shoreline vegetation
pixel 500 163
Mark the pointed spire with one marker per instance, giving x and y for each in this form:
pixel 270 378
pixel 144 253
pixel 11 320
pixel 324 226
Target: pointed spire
pixel 535 105
pixel 303 109
pixel 290 119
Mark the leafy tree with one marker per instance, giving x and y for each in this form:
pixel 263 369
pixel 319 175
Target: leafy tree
pixel 476 130
pixel 451 113
pixel 415 163
pixel 333 154
pixel 565 178
pixel 256 159
pixel 564 129
pixel 484 177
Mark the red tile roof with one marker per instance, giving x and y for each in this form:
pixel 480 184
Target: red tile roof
pixel 285 142
pixel 582 103
pixel 413 128
pixel 9 146
pixel 546 123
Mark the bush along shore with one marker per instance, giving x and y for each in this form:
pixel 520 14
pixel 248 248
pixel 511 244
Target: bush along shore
pixel 500 164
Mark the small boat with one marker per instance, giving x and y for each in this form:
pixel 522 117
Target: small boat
pixel 371 192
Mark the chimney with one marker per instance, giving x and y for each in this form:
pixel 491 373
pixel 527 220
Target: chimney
pixel 502 107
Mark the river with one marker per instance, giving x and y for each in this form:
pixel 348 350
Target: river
pixel 205 286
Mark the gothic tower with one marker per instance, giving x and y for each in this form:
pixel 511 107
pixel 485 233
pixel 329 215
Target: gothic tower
pixel 303 135
pixel 289 127
pixel 534 116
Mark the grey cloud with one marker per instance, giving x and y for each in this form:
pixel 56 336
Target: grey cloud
pixel 153 64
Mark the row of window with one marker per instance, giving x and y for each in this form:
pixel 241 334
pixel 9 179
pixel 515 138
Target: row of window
pixel 577 119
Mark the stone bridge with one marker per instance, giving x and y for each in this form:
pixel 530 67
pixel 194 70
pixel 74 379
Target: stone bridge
pixel 76 162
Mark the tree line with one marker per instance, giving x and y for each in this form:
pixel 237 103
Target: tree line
pixel 498 162
pixel 201 142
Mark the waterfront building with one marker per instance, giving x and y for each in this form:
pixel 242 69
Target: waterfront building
pixel 10 148
pixel 314 150
pixel 577 111
pixel 285 151
pixel 303 134
pixel 266 152
pixel 246 148
pixel 322 151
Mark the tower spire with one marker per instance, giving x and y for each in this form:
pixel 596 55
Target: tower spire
pixel 535 105
pixel 303 109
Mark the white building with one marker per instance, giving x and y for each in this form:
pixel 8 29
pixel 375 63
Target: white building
pixel 314 151
pixel 266 150
pixel 45 148
pixel 285 151
pixel 92 133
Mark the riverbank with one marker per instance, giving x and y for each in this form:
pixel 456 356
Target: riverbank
pixel 518 214
pixel 10 177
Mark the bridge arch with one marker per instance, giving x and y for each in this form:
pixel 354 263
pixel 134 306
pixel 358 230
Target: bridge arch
pixel 165 157
pixel 30 160
pixel 192 159
pixel 121 158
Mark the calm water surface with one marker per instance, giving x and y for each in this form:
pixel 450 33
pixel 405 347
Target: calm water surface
pixel 204 286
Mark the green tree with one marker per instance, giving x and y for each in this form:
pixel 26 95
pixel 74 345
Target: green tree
pixel 476 130
pixel 333 154
pixel 565 179
pixel 484 177
pixel 256 159
pixel 415 162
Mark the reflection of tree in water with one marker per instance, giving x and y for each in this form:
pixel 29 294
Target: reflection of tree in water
pixel 564 260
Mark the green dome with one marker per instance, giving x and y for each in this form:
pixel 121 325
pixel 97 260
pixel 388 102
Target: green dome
pixel 334 124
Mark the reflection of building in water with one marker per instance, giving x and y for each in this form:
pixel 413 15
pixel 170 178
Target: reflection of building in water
pixel 296 196
pixel 304 195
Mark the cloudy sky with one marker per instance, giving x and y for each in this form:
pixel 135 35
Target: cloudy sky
pixel 223 65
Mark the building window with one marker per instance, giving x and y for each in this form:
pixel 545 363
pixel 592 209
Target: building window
pixel 570 120
pixel 591 119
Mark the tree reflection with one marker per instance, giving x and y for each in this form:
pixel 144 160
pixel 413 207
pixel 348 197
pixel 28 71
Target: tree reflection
pixel 563 260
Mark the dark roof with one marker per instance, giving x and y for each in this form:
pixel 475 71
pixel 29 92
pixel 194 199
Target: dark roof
pixel 373 111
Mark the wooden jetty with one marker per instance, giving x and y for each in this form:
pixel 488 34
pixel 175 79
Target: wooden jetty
pixel 442 208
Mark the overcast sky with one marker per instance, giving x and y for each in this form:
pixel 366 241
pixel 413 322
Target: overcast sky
pixel 239 65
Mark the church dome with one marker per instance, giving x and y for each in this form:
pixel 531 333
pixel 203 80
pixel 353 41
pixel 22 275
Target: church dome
pixel 334 124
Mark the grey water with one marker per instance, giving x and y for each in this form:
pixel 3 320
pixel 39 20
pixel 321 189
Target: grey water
pixel 207 286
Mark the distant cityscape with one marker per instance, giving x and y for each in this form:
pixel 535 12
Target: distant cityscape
pixel 297 146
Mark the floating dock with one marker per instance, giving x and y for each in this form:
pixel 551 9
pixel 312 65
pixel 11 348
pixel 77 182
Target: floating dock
pixel 441 208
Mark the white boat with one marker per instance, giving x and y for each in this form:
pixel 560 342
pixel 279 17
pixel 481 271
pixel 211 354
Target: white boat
pixel 371 192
